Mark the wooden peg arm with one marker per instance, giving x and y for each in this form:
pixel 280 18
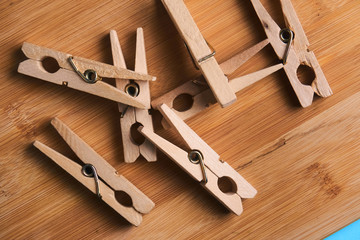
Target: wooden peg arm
pixel 304 93
pixel 70 79
pixel 107 193
pixel 292 21
pixel 211 158
pixel 118 61
pixel 88 155
pixel 200 49
pixel 140 66
pixel 186 133
pixel 110 71
pixel 230 65
pixel 179 156
pixel 271 28
pixel 202 96
pixel 231 201
pixel 237 84
pixel 35 52
pixel 301 47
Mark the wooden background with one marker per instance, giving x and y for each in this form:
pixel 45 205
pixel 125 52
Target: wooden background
pixel 303 162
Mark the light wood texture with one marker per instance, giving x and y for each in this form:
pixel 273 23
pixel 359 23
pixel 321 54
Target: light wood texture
pixel 107 194
pixel 215 168
pixel 239 83
pixel 212 159
pixel 199 49
pixel 231 65
pixel 130 115
pixel 119 61
pixel 301 47
pixel 72 80
pixel 305 93
pixel 68 77
pixel 303 56
pixel 104 70
pixel 307 189
pixel 202 96
pixel 141 202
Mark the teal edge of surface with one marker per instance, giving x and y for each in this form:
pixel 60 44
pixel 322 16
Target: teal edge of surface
pixel 350 232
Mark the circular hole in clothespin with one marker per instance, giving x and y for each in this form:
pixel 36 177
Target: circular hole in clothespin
pixel 136 136
pixel 227 185
pixel 305 74
pixel 50 64
pixel 123 198
pixel 132 89
pixel 183 102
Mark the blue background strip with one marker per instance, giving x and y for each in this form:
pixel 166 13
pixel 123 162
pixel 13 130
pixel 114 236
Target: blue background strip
pixel 351 232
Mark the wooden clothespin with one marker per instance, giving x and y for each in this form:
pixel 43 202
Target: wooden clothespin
pixel 98 175
pixel 201 162
pixel 79 73
pixel 293 53
pixel 200 92
pixel 291 45
pixel 201 53
pixel 141 91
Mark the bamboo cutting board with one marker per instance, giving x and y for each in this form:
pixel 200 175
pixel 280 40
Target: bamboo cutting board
pixel 303 162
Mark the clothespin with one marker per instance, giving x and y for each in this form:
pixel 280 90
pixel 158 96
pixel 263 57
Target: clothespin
pixel 285 42
pixel 98 175
pixel 140 90
pixel 200 92
pixel 79 73
pixel 201 53
pixel 295 54
pixel 201 162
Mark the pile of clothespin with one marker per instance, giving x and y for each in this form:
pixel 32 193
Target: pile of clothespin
pixel 132 93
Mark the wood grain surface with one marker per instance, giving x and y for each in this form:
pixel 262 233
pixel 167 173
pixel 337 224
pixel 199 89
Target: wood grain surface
pixel 303 162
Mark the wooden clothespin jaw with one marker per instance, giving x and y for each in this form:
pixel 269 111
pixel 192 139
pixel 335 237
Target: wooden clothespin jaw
pixel 79 73
pixel 202 96
pixel 291 45
pixel 201 162
pixel 98 175
pixel 200 51
pixel 130 116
